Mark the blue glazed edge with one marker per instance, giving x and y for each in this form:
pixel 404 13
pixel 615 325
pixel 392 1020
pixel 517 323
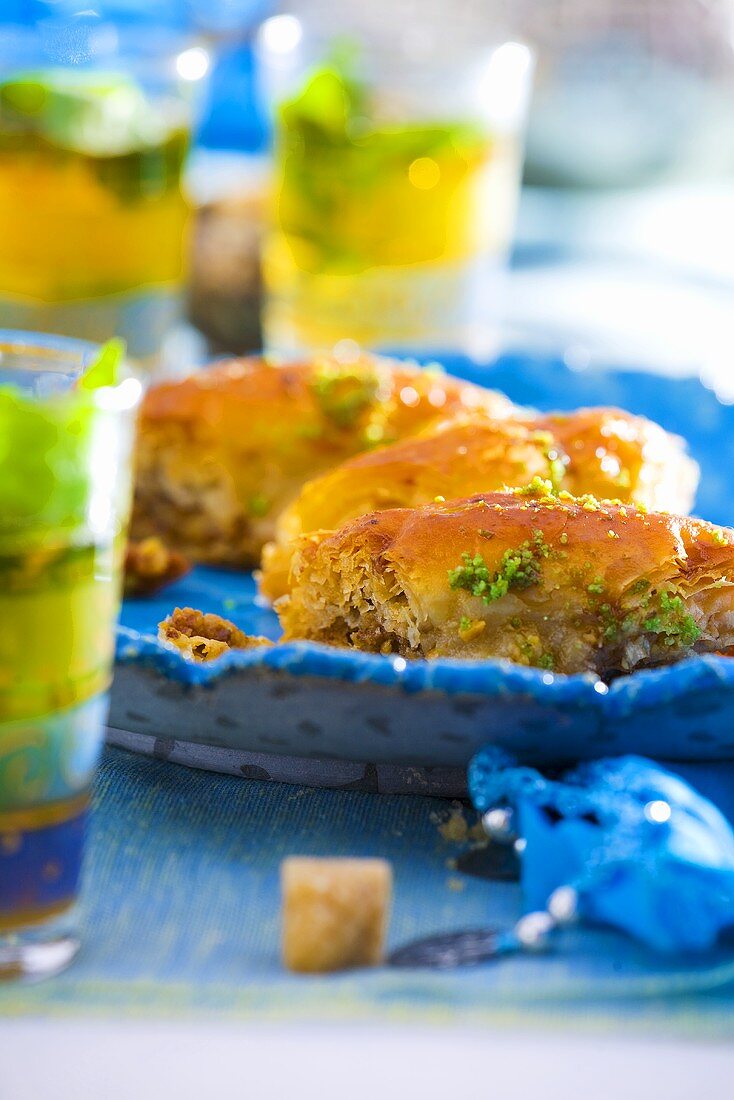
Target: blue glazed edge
pixel 491 679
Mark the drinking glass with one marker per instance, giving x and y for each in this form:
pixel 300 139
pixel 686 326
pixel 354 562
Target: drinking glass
pixel 65 472
pixel 95 124
pixel 394 189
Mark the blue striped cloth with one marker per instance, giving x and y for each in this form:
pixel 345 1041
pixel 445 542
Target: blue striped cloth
pixel 181 915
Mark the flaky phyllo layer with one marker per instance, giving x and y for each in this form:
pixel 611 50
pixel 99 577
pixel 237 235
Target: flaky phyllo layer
pixel 535 576
pixel 606 452
pixel 222 452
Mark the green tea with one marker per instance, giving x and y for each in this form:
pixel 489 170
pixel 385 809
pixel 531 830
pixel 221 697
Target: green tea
pixel 57 609
pixel 64 495
pixel 93 218
pixel 375 223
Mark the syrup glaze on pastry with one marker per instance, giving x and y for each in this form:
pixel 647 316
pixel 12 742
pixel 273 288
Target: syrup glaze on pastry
pixel 222 452
pixel 605 452
pixel 537 577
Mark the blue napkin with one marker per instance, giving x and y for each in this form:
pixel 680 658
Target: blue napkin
pixel 622 842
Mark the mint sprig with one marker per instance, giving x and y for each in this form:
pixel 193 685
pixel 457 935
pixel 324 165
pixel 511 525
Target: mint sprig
pixel 104 370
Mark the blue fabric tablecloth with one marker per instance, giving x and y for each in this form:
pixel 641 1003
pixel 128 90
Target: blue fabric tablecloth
pixel 181 915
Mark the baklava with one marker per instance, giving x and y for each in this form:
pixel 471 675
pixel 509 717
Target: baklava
pixel 605 452
pixel 222 452
pixel 536 577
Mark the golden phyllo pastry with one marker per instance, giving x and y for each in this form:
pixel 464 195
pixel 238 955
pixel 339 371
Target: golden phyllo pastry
pixel 202 637
pixel 151 565
pixel 565 584
pixel 605 452
pixel 223 451
pixel 612 454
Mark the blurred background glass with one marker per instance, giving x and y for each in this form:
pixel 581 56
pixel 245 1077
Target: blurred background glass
pixel 95 127
pixel 631 92
pixel 395 179
pixel 624 238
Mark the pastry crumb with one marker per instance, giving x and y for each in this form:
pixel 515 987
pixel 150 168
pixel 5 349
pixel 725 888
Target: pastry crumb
pixel 150 565
pixel 454 826
pixel 202 637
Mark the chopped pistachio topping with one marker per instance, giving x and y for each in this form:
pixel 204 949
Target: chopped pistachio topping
pixel 518 568
pixel 673 621
pixel 470 628
pixel 258 505
pixel 530 647
pixel 596 587
pixel 664 615
pixel 610 627
pixel 719 537
pixel 557 471
pixel 545 439
pixel 343 393
pixel 556 467
pixel 589 503
pixel 539 487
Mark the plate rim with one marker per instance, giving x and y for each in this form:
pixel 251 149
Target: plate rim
pixel 448 676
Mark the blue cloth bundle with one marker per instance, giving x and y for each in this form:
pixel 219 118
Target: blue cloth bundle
pixel 621 842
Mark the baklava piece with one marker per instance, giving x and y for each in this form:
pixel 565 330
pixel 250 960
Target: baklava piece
pixel 222 452
pixel 562 583
pixel 605 452
pixel 202 637
pixel 150 565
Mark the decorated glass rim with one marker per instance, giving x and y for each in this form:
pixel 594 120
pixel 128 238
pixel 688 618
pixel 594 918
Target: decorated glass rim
pixel 65 442
pixel 156 49
pixel 68 358
pixel 495 81
pixel 98 87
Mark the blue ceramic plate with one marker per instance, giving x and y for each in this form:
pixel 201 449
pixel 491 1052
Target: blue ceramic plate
pixel 303 712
